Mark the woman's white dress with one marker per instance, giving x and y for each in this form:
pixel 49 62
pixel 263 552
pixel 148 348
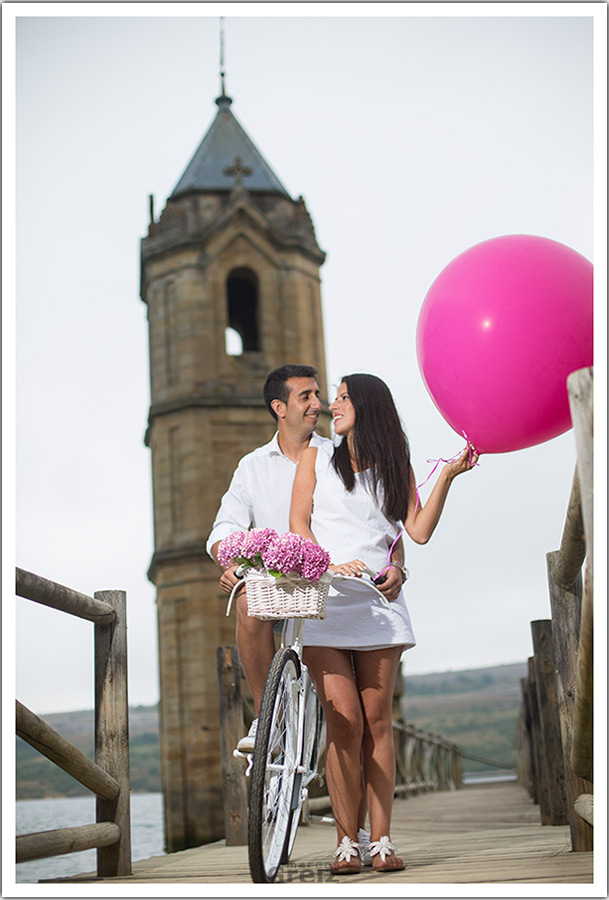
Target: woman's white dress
pixel 350 525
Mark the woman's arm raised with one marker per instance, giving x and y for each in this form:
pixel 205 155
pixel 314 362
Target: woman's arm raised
pixel 301 506
pixel 422 520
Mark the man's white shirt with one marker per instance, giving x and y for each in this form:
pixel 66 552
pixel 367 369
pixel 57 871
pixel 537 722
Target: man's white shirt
pixel 260 492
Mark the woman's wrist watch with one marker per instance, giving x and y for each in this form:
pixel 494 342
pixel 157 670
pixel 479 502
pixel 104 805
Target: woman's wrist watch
pixel 402 569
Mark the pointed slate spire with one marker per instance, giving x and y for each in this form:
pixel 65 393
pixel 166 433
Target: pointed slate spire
pixel 225 142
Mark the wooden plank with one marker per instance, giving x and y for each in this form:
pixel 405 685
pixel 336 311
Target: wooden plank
pixel 58 596
pixel 46 740
pixel 481 834
pixel 231 730
pixel 59 841
pixel 112 731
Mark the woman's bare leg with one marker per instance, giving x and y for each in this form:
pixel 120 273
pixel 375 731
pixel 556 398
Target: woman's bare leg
pixel 334 681
pixel 376 672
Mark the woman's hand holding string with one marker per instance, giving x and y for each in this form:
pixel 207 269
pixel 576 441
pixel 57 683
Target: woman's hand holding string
pixel 464 463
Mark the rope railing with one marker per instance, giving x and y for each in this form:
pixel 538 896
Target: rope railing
pixel 488 762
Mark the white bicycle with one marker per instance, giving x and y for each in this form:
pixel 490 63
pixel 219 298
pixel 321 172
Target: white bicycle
pixel 290 739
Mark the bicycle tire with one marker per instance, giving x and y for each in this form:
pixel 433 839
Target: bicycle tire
pixel 276 758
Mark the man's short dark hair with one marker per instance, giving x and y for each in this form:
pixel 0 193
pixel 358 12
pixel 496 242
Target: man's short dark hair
pixel 275 387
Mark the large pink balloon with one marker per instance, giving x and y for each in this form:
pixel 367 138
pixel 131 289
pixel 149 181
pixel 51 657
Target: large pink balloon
pixel 500 329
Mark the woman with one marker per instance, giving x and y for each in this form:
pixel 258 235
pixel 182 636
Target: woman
pixel 350 500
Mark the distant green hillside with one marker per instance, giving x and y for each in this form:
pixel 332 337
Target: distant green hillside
pixel 476 708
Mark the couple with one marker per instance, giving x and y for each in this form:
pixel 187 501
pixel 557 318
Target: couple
pixel 350 499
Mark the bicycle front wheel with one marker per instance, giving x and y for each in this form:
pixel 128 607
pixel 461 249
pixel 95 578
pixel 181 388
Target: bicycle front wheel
pixel 276 758
pixel 313 745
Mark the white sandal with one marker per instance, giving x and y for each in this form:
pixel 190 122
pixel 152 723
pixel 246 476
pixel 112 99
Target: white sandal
pixel 385 848
pixel 345 850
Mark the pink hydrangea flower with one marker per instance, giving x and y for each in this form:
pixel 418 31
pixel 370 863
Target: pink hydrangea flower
pixel 245 546
pixel 257 540
pixel 285 554
pixel 315 561
pixel 231 548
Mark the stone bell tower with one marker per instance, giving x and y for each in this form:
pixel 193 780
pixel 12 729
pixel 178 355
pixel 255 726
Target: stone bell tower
pixel 230 276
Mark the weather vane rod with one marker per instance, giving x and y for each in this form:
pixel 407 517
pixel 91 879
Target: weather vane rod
pixel 223 91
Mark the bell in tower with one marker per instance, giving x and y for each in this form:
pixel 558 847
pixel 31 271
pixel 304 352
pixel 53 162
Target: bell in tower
pixel 230 276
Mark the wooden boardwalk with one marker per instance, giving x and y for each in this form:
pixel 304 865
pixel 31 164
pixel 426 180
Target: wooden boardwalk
pixel 479 835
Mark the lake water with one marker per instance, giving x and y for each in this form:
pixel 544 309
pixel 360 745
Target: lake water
pixel 63 812
pixel 487 777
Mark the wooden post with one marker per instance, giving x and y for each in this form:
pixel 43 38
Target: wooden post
pixel 530 761
pixel 551 744
pixel 583 730
pixel 580 386
pixel 410 763
pixel 570 558
pixel 566 614
pixel 522 743
pixel 231 730
pixel 112 732
pixel 540 787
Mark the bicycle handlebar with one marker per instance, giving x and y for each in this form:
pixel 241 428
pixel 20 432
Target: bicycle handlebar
pixel 360 580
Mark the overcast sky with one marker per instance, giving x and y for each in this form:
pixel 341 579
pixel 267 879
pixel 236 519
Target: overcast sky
pixel 411 136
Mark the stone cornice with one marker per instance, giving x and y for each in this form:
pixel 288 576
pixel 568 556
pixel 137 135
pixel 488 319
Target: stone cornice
pixel 188 553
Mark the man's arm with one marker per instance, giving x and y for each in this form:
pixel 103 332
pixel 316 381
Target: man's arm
pixel 235 514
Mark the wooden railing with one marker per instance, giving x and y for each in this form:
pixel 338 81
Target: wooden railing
pixel 554 735
pixel 108 776
pixel 424 762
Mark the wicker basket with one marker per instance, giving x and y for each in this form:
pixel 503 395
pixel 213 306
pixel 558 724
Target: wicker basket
pixel 285 597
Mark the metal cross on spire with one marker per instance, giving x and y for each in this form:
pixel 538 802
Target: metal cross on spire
pixel 239 171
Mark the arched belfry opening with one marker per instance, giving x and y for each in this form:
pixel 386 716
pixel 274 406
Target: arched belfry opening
pixel 242 308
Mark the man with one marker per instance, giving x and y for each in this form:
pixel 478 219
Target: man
pixel 259 496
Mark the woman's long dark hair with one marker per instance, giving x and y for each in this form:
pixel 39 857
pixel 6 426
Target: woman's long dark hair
pixel 379 443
